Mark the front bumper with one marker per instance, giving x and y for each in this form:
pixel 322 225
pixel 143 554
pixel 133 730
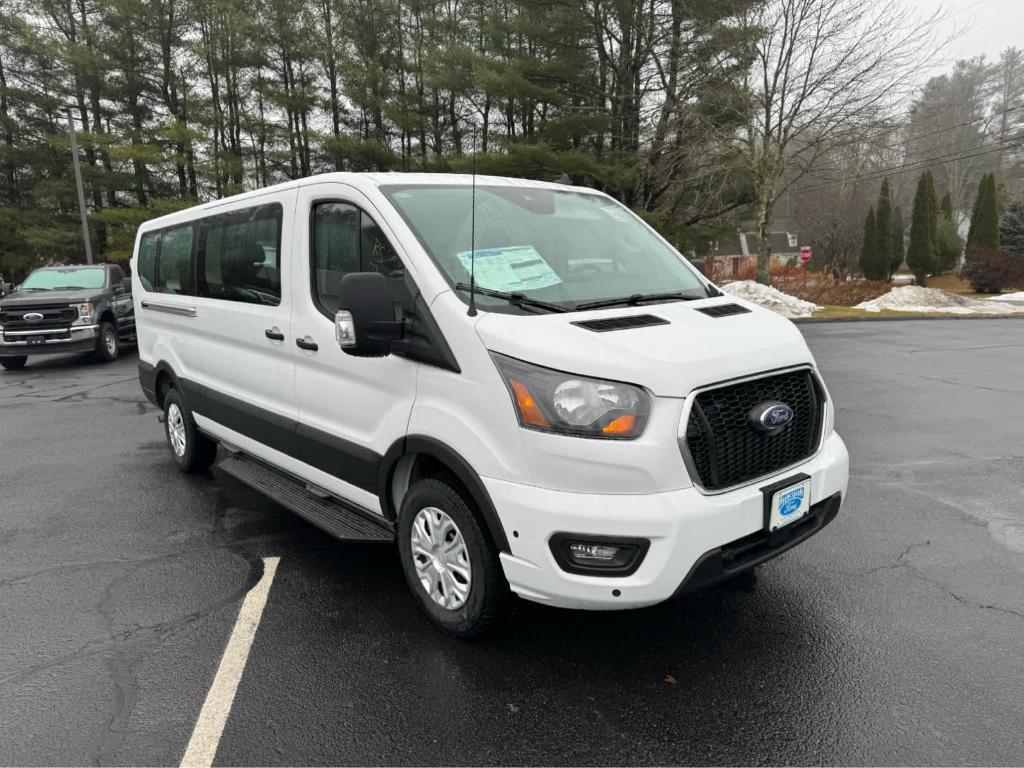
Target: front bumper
pixel 79 338
pixel 695 539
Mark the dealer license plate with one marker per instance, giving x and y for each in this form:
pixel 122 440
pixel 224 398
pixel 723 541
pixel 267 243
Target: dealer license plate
pixel 789 505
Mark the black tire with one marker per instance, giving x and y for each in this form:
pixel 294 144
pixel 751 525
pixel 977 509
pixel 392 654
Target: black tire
pixel 488 590
pixel 195 452
pixel 14 363
pixel 107 344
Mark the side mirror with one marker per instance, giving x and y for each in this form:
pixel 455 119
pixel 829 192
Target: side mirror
pixel 701 266
pixel 365 325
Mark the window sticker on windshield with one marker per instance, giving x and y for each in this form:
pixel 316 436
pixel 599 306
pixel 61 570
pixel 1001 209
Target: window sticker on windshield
pixel 512 268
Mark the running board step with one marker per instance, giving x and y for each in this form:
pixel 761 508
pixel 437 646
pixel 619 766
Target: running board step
pixel 332 515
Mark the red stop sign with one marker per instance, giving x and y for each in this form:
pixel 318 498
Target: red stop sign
pixel 805 254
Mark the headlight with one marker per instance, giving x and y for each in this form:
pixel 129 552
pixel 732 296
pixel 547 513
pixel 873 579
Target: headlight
pixel 84 313
pixel 552 401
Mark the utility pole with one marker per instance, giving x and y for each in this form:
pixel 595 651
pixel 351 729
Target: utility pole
pixel 78 183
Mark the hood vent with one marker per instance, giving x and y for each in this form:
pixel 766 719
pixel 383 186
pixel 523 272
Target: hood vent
pixel 723 310
pixel 605 324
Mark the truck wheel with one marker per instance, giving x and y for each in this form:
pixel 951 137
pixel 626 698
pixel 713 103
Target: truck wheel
pixel 192 450
pixel 107 345
pixel 14 363
pixel 450 564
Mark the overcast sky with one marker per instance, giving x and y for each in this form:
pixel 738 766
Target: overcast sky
pixel 988 26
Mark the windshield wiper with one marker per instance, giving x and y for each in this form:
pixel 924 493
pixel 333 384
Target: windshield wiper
pixel 513 298
pixel 633 300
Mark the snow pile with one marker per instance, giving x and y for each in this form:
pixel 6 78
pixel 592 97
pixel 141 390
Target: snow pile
pixel 770 298
pixel 914 298
pixel 1019 296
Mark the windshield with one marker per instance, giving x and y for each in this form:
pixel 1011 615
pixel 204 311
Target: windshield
pixel 61 279
pixel 558 247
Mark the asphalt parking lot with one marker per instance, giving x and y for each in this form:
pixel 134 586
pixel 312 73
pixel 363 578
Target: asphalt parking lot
pixel 896 636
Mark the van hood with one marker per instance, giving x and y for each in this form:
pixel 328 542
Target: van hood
pixel 691 349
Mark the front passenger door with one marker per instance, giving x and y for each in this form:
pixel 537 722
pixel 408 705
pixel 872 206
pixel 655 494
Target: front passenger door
pixel 351 409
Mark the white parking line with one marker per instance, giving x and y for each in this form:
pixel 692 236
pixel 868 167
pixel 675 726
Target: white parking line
pixel 202 747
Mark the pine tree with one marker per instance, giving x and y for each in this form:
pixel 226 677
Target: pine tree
pixel 947 205
pixel 984 232
pixel 883 232
pixel 868 260
pixel 1011 231
pixel 897 248
pixel 920 252
pixel 933 217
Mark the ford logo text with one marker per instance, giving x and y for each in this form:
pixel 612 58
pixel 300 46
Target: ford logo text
pixel 771 416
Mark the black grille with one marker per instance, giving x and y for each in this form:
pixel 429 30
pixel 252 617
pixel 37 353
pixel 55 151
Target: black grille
pixel 727 450
pixel 620 323
pixel 723 310
pixel 54 316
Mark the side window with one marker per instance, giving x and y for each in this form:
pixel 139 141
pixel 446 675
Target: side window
pixel 346 239
pixel 174 265
pixel 240 259
pixel 376 252
pixel 147 259
pixel 335 250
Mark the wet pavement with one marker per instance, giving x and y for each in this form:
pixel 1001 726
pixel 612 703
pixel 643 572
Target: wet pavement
pixel 896 636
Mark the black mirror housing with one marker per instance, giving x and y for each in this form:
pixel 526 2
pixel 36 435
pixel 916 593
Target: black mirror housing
pixel 366 298
pixel 700 265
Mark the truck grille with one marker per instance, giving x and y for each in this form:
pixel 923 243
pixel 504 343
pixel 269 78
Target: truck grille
pixel 55 316
pixel 726 450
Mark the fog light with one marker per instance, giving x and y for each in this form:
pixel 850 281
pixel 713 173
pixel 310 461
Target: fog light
pixel 582 552
pixel 598 555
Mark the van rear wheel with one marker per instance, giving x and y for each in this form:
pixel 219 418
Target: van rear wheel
pixel 450 564
pixel 192 450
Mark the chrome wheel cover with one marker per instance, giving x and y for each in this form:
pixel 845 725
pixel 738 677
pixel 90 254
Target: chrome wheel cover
pixel 110 340
pixel 176 429
pixel 441 558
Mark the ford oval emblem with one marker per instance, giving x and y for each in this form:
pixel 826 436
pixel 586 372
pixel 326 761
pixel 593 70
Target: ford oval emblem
pixel 32 317
pixel 770 417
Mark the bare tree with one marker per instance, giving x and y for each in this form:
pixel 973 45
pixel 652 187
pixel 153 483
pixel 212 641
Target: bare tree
pixel 824 70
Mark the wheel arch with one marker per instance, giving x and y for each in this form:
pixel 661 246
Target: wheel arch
pixel 418 456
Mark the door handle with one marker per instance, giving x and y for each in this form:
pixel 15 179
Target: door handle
pixel 274 334
pixel 307 343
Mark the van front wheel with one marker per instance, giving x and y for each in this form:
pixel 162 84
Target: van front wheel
pixel 450 564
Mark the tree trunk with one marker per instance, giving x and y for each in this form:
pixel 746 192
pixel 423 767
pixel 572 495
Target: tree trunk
pixel 765 208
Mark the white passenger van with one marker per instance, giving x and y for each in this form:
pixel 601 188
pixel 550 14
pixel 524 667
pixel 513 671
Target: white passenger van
pixel 521 383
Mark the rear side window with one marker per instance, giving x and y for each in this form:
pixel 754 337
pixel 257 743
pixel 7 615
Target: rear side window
pixel 174 262
pixel 346 239
pixel 240 258
pixel 147 259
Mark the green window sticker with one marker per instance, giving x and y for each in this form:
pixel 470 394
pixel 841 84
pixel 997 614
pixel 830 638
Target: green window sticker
pixel 512 268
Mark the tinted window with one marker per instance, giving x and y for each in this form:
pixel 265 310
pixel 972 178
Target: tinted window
pixel 116 275
pixel 147 259
pixel 240 258
pixel 174 262
pixel 346 239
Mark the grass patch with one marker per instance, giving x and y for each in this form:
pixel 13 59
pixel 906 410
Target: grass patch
pixel 837 312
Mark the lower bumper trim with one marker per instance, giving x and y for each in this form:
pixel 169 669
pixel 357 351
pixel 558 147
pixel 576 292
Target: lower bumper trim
pixel 743 554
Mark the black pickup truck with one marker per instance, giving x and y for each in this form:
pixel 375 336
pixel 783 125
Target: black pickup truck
pixel 67 309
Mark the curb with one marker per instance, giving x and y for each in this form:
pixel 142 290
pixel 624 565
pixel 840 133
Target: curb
pixel 925 316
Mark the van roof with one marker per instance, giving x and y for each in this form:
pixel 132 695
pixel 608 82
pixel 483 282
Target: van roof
pixel 359 181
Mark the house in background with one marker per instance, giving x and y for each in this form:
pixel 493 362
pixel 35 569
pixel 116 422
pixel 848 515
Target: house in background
pixel 735 256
